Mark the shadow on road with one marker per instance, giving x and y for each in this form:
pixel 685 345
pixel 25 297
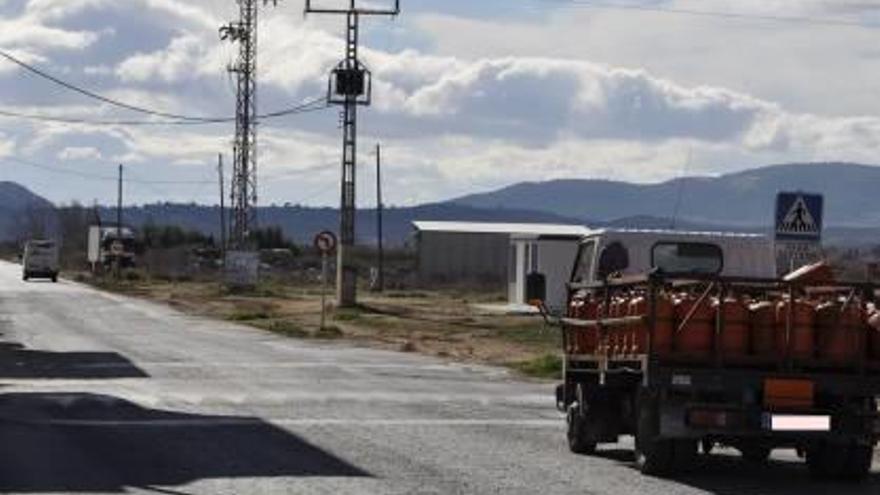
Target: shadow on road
pixel 96 443
pixel 724 474
pixel 21 363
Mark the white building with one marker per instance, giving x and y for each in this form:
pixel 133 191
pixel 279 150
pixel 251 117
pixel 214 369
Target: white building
pixel 492 254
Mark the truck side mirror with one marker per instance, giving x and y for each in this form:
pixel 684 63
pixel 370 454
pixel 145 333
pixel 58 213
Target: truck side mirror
pixel 536 288
pixel 614 258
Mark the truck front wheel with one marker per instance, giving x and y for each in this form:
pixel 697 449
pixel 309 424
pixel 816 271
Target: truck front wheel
pixel 579 439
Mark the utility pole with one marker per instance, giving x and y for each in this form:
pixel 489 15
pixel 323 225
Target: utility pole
pixel 380 283
pixel 222 207
pixel 350 86
pixel 243 195
pixel 118 257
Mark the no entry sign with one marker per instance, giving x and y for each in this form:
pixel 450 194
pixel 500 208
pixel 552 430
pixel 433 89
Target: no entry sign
pixel 325 241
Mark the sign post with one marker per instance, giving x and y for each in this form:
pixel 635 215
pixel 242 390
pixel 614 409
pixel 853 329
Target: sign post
pixel 798 231
pixel 325 242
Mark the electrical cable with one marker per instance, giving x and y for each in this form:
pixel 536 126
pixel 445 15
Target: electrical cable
pixel 707 13
pixel 177 119
pixel 86 175
pixel 307 107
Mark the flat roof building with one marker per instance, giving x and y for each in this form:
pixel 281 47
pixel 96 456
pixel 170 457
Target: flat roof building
pixel 482 253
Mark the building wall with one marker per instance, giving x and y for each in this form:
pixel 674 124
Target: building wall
pixel 451 257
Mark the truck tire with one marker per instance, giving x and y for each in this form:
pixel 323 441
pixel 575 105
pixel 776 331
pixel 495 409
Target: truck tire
pixel 858 462
pixel 580 441
pixel 25 276
pixel 754 453
pixel 654 456
pixel 55 278
pixel 827 459
pixel 685 454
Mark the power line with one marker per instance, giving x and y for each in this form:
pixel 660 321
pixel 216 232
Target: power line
pixel 96 96
pixel 708 13
pixel 177 119
pixel 307 107
pixel 98 177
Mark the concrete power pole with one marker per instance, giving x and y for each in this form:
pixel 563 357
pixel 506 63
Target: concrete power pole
pixel 117 269
pixel 243 217
pixel 222 207
pixel 380 282
pixel 350 86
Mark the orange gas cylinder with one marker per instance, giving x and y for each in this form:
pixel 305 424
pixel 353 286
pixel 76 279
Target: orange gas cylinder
pixel 735 333
pixel 664 326
pixel 638 332
pixel 583 340
pixel 763 329
pixel 695 326
pixel 803 333
pixel 617 335
pixel 874 336
pixel 839 331
pixel 574 310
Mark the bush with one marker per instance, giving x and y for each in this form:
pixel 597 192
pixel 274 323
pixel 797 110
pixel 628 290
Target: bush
pixel 546 366
pixel 249 315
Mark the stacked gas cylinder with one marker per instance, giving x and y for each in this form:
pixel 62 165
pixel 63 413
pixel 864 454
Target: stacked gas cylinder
pixel 831 329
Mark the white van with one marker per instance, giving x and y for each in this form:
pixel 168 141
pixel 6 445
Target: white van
pixel 40 260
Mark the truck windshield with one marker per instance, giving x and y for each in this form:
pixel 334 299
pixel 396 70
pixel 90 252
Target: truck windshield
pixel 584 267
pixel 687 257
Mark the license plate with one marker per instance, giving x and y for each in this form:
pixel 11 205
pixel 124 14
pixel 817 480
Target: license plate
pixel 797 422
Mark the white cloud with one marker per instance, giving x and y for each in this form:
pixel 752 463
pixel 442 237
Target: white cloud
pixel 75 153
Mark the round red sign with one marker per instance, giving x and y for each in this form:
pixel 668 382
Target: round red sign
pixel 325 241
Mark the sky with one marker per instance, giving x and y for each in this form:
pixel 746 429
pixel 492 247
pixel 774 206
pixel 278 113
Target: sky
pixel 469 95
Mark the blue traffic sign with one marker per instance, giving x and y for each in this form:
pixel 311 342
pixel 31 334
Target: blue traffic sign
pixel 799 216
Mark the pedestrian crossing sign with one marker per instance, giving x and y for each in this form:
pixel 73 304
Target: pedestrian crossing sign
pixel 799 217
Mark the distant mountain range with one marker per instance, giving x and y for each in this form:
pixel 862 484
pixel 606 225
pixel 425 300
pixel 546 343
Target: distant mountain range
pixel 302 223
pixel 742 201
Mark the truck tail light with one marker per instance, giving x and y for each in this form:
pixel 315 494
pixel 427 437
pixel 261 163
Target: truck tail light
pixel 707 418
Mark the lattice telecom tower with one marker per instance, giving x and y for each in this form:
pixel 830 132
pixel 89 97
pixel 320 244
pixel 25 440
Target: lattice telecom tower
pixel 350 86
pixel 243 213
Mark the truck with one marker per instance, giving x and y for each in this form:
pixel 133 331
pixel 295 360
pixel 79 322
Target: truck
pixel 108 245
pixel 40 260
pixel 690 340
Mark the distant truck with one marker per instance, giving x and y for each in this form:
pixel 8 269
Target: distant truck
pixel 40 260
pixel 688 340
pixel 109 245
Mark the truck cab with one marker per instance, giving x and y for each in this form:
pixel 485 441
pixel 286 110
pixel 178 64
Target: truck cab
pixel 40 259
pixel 727 254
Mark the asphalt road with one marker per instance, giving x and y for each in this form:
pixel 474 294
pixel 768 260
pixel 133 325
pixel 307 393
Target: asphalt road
pixel 101 393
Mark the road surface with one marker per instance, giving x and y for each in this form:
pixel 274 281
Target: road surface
pixel 101 393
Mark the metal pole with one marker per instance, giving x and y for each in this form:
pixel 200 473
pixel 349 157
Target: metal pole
pixel 222 208
pixel 118 259
pixel 380 285
pixel 352 87
pixel 323 288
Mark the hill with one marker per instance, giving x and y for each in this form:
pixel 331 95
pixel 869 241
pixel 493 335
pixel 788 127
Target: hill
pixel 302 223
pixel 744 199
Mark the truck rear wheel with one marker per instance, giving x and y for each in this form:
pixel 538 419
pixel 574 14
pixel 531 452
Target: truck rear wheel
pixel 654 456
pixel 755 453
pixel 849 461
pixel 858 462
pixel 580 441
